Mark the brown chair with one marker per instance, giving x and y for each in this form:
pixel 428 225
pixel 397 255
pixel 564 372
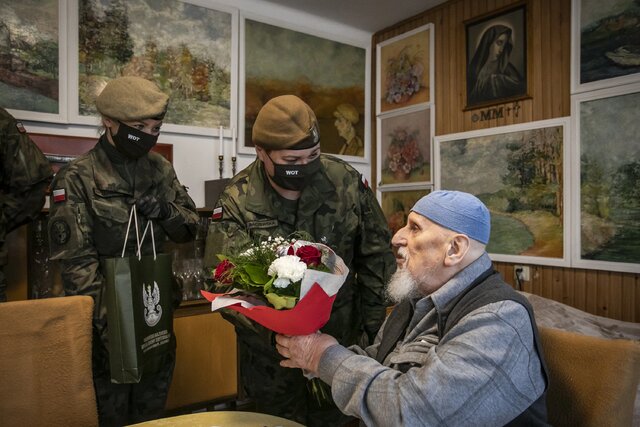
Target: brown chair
pixel 592 381
pixel 45 363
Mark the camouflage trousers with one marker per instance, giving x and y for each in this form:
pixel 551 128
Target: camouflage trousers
pixel 124 404
pixel 283 392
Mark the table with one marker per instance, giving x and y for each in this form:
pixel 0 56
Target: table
pixel 221 419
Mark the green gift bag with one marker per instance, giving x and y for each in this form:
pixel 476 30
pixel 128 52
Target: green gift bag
pixel 139 310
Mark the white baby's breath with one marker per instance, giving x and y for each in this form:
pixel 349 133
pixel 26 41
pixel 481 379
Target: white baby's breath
pixel 288 267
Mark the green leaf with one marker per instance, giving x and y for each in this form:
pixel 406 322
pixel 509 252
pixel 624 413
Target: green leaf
pixel 281 301
pixel 257 273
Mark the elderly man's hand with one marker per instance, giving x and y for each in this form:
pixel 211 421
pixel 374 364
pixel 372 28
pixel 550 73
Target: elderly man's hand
pixel 303 351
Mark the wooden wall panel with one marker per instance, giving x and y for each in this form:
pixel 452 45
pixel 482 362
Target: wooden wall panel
pixel 611 294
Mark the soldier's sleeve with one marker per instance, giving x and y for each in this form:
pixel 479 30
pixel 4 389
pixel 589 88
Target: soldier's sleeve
pixel 26 174
pixel 182 223
pixel 374 261
pixel 70 229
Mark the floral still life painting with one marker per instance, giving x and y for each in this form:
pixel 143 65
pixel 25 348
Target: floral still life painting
pixel 286 285
pixel 404 70
pixel 406 148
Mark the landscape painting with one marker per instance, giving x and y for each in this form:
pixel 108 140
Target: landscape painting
pixel 29 56
pixel 396 206
pixel 405 147
pixel 609 179
pixel 328 75
pixel 609 36
pixel 185 49
pixel 519 174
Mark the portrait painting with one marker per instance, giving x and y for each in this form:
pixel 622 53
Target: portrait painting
pixel 184 48
pixel 328 75
pixel 30 65
pixel 396 206
pixel 607 179
pixel 404 70
pixel 404 147
pixel 606 43
pixel 496 47
pixel 518 172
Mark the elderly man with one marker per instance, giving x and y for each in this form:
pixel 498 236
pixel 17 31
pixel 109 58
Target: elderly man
pixel 461 346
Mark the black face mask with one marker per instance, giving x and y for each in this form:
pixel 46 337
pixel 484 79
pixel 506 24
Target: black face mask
pixel 133 143
pixel 294 177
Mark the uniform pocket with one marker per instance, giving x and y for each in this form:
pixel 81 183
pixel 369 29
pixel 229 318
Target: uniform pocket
pixel 111 211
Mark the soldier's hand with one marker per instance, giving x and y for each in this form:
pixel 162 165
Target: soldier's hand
pixel 153 208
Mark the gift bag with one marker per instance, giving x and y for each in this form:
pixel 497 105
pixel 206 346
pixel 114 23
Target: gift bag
pixel 139 309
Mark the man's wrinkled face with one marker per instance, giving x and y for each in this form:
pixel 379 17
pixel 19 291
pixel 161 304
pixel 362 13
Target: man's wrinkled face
pixel 421 248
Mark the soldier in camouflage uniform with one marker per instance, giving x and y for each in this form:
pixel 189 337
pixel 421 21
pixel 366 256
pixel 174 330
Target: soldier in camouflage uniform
pixel 25 175
pixel 331 201
pixel 90 204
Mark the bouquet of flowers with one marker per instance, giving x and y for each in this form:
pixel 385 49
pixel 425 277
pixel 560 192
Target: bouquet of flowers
pixel 403 76
pixel 286 285
pixel 403 154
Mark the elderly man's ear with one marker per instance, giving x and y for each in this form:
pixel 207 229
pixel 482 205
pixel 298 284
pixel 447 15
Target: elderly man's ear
pixel 458 248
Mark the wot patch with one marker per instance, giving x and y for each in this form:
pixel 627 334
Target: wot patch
pixel 60 232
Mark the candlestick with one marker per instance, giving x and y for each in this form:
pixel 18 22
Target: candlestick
pixel 220 164
pixel 233 151
pixel 221 131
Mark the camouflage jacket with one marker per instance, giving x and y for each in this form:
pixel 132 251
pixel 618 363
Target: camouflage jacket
pixel 337 208
pixel 25 174
pixel 90 206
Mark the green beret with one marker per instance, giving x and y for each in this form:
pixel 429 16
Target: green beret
pixel 132 98
pixel 286 123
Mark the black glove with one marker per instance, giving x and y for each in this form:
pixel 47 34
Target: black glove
pixel 153 208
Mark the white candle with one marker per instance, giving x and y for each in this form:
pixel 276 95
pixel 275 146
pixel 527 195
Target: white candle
pixel 221 141
pixel 233 142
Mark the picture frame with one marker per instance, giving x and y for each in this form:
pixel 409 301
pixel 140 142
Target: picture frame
pixel 405 71
pixel 190 57
pixel 30 72
pixel 604 47
pixel 521 173
pixel 329 74
pixel 404 154
pixel 497 57
pixel 396 204
pixel 606 179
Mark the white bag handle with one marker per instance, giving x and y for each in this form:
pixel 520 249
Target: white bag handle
pixel 139 240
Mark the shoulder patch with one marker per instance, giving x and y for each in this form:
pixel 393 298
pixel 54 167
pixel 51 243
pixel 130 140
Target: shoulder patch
pixel 217 213
pixel 59 195
pixel 60 232
pixel 20 127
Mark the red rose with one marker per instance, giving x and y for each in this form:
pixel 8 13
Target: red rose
pixel 291 251
pixel 310 255
pixel 222 273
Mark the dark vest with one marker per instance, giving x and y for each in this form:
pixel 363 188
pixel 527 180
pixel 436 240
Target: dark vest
pixel 486 289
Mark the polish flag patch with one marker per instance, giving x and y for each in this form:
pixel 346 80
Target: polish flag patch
pixel 217 214
pixel 364 181
pixel 59 195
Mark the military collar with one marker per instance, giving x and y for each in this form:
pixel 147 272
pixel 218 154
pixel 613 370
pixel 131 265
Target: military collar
pixel 108 179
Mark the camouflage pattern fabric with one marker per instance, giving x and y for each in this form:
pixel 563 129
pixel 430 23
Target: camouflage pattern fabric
pixel 337 208
pixel 90 204
pixel 25 174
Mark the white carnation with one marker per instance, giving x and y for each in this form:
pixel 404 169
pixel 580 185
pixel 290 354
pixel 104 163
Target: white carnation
pixel 281 283
pixel 288 267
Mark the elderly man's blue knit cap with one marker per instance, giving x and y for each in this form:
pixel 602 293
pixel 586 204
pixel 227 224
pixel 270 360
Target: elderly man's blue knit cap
pixel 457 211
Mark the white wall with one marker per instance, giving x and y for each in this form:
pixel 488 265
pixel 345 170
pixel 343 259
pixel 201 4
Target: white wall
pixel 195 157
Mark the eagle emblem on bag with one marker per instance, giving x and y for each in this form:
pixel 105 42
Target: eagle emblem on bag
pixel 152 307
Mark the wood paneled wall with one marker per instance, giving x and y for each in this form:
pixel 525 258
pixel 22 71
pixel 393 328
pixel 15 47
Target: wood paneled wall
pixel 609 294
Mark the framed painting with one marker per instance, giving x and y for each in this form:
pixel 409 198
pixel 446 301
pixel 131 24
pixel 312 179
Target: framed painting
pixel 331 76
pixel 182 46
pixel 520 173
pixel 397 204
pixel 33 56
pixel 404 70
pixel 605 49
pixel 606 179
pixel 404 146
pixel 496 47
